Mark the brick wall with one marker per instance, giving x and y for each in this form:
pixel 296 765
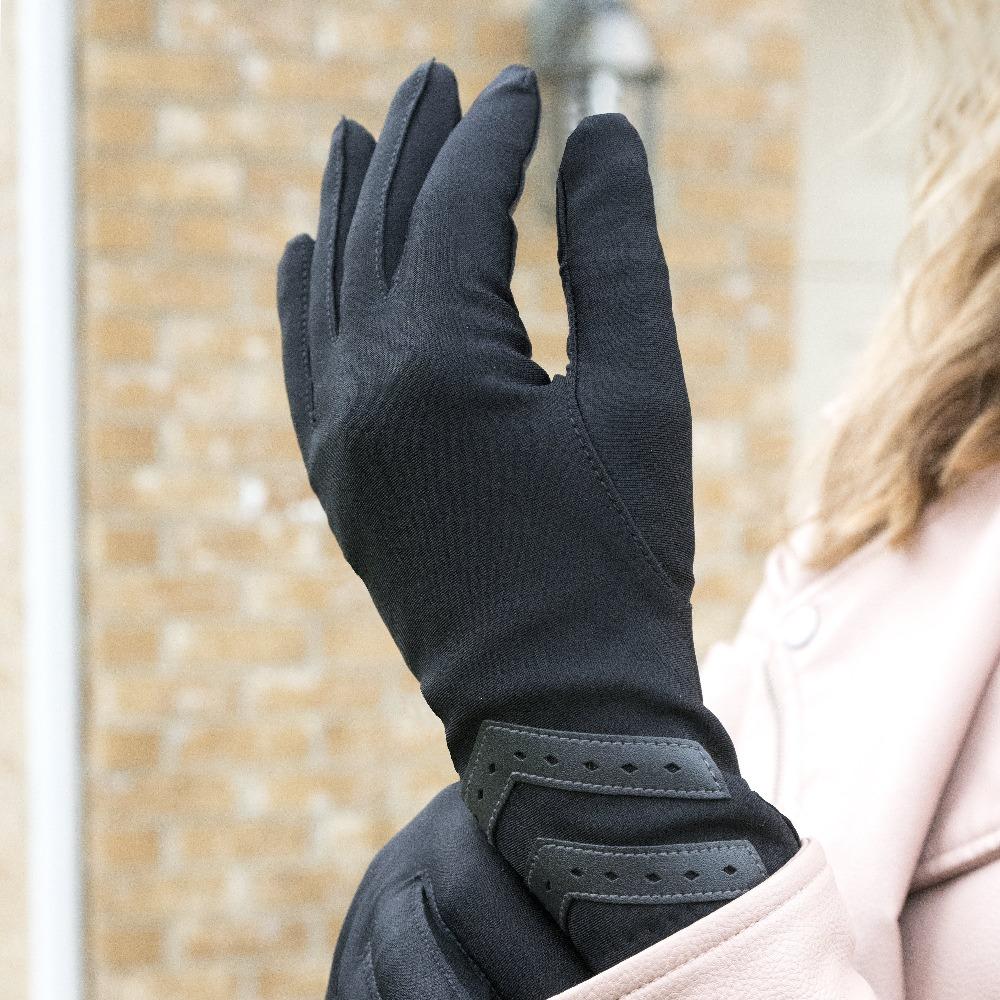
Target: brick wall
pixel 252 736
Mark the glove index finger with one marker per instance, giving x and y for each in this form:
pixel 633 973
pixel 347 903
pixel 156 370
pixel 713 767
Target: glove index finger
pixel 610 256
pixel 476 180
pixel 351 149
pixel 293 315
pixel 624 356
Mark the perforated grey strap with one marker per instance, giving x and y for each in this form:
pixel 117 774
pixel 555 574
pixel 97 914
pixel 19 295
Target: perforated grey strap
pixel 679 873
pixel 608 765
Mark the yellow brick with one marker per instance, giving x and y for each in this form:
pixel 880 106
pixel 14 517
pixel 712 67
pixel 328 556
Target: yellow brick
pixel 128 285
pixel 151 71
pixel 201 339
pixel 161 182
pixel 113 123
pixel 773 352
pixel 126 644
pixel 723 102
pixel 705 348
pixel 358 644
pixel 690 248
pixel 280 982
pixel 337 82
pixel 244 841
pixel 714 587
pixel 117 848
pixel 304 792
pixel 151 490
pixel 281 693
pixel 240 237
pixel 385 30
pixel 203 982
pixel 241 544
pixel 124 948
pixel 724 398
pixel 266 939
pixel 705 304
pixel 207 234
pixel 294 590
pixel 267 182
pixel 502 40
pixel 770 251
pixel 773 293
pixel 155 696
pixel 248 391
pixel 157 794
pixel 293 886
pixel 764 204
pixel 241 743
pixel 277 24
pixel 122 338
pixel 244 643
pixel 130 547
pixel 776 155
pixel 122 749
pixel 256 128
pixel 777 56
pixel 142 593
pixel 229 445
pixel 134 389
pixel 124 443
pixel 768 447
pixel 117 20
pixel 158 895
pixel 111 230
pixel 692 151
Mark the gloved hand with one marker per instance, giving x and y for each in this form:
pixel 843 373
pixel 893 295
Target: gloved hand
pixel 441 916
pixel 528 542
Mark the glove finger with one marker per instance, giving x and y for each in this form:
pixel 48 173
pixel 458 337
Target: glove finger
pixel 483 901
pixel 463 213
pixel 421 115
pixel 293 313
pixel 490 933
pixel 624 356
pixel 351 149
pixel 435 115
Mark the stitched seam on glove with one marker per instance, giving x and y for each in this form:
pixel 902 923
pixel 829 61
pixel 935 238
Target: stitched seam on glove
pixel 747 870
pixel 709 784
pixel 446 928
pixel 591 454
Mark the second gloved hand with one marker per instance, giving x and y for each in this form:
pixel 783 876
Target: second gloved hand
pixel 528 542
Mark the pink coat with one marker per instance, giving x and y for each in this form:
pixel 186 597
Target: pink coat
pixel 865 703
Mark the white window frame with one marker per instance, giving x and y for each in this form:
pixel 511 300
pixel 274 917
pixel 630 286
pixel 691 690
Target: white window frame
pixel 47 300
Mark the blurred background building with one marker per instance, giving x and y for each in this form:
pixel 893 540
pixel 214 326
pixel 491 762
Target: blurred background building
pixel 249 734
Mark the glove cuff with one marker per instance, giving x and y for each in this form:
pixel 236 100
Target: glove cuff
pixel 647 766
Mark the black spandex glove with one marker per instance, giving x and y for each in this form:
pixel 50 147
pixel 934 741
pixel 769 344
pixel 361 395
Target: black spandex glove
pixel 441 916
pixel 528 542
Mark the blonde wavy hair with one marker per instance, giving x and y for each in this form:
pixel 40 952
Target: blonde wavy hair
pixel 923 414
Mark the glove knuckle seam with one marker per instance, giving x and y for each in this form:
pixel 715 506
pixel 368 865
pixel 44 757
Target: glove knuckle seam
pixel 304 340
pixel 385 283
pixel 592 457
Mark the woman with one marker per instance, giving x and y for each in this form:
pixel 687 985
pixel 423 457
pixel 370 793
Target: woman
pixel 529 543
pixel 874 645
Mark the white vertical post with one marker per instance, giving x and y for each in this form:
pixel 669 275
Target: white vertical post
pixel 47 298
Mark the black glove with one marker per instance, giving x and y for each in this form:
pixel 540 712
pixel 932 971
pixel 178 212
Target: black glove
pixel 528 542
pixel 440 914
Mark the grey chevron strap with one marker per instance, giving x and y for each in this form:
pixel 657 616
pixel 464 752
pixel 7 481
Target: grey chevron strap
pixel 679 873
pixel 506 754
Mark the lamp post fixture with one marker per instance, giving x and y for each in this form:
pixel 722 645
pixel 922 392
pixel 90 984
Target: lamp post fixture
pixel 594 56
